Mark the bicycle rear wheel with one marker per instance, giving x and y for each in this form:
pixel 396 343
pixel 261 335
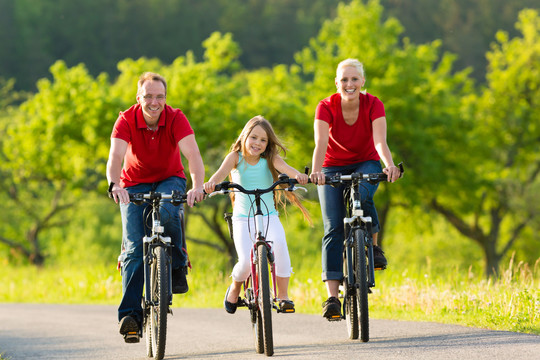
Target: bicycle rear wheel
pixel 160 301
pixel 264 299
pixel 362 283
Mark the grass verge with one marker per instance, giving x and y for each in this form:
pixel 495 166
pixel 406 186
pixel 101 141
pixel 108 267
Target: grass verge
pixel 510 302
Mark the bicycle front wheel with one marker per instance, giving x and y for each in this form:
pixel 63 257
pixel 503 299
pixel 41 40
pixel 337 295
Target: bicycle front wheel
pixel 160 301
pixel 349 294
pixel 362 283
pixel 264 299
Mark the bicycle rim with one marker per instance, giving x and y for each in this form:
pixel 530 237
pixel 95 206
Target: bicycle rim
pixel 160 303
pixel 362 281
pixel 265 301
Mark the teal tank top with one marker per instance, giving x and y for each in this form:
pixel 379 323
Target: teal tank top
pixel 252 177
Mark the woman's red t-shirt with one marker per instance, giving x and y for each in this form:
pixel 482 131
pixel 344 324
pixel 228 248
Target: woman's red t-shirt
pixel 349 144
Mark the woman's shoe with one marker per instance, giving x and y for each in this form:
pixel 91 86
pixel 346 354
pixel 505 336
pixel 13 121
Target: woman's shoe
pixel 229 306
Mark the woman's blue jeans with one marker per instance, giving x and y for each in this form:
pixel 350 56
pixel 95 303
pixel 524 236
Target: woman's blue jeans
pixel 133 231
pixel 333 211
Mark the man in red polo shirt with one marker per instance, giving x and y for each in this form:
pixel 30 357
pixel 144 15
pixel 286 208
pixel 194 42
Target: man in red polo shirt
pixel 146 143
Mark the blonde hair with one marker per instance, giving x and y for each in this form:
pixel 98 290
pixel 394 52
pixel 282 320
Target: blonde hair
pixel 351 62
pixel 273 149
pixel 149 76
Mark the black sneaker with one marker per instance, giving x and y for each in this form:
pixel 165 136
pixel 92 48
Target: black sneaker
pixel 378 258
pixel 332 308
pixel 129 328
pixel 179 281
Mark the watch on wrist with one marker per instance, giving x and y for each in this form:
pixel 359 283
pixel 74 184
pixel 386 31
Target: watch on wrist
pixel 111 186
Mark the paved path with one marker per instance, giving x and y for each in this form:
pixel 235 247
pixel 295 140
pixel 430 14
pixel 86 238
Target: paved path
pixel 36 331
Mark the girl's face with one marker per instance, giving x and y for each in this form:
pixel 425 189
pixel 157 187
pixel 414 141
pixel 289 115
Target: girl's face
pixel 349 82
pixel 256 141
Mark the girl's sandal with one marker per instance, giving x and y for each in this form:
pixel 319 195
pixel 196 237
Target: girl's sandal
pixel 286 306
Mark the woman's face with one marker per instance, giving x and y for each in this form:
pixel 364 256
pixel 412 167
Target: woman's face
pixel 256 141
pixel 349 82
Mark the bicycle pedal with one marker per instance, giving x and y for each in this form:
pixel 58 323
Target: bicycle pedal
pixel 334 318
pixel 132 337
pixel 287 311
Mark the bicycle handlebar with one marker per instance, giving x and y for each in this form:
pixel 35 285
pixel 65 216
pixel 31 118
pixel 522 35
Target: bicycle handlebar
pixel 372 178
pixel 224 186
pixel 175 197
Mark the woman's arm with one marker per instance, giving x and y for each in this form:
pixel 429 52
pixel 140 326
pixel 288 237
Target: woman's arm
pixel 379 139
pixel 321 133
pixel 230 161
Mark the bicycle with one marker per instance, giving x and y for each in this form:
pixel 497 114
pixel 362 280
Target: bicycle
pixel 358 263
pixel 157 258
pixel 259 290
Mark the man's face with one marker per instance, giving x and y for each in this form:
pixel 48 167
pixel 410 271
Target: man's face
pixel 152 99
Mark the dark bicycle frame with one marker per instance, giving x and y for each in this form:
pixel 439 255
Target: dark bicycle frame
pixel 355 220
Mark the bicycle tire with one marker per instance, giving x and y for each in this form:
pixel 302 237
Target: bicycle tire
pixel 362 283
pixel 159 307
pixel 265 303
pixel 147 330
pixel 349 298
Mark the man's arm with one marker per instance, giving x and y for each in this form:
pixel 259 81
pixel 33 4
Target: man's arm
pixel 114 169
pixel 190 150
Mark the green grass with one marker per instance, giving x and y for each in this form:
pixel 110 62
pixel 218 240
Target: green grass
pixel 511 302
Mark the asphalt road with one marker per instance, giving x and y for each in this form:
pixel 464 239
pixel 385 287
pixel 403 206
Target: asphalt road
pixel 36 331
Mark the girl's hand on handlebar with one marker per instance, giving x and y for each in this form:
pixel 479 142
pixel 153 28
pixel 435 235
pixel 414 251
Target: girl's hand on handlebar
pixel 302 178
pixel 393 173
pixel 318 178
pixel 209 187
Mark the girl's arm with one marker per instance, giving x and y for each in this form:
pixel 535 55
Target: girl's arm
pixel 291 172
pixel 379 139
pixel 230 161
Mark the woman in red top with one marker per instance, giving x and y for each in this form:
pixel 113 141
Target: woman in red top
pixel 350 136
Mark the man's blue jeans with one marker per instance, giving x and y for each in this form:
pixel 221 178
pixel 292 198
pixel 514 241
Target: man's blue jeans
pixel 133 231
pixel 333 211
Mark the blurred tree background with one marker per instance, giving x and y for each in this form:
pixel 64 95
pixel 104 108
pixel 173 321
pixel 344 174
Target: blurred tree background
pixel 460 83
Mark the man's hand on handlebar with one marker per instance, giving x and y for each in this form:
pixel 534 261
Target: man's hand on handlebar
pixel 195 195
pixel 119 194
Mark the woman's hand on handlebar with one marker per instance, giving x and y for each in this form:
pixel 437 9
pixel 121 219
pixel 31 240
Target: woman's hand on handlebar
pixel 318 178
pixel 393 173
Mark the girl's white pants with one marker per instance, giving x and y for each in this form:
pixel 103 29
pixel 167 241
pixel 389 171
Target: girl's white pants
pixel 244 240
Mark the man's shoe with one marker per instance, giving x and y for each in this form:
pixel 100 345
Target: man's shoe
pixel 129 328
pixel 179 281
pixel 229 306
pixel 378 258
pixel 332 309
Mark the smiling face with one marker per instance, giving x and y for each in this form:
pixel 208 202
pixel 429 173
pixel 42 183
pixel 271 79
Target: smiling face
pixel 256 142
pixel 151 97
pixel 349 82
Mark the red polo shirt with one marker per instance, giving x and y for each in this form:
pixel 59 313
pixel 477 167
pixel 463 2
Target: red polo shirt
pixel 349 144
pixel 151 156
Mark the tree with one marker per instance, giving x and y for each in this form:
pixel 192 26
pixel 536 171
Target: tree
pixel 53 151
pixel 504 147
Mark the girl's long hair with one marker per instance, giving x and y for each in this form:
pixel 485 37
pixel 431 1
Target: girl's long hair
pixel 273 149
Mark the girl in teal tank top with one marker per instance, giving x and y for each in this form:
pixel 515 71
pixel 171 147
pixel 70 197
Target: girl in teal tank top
pixel 254 162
